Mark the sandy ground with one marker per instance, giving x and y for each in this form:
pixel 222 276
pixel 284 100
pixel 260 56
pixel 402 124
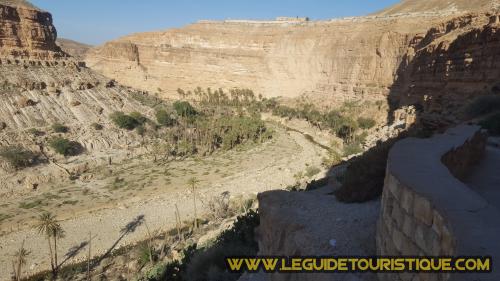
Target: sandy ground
pixel 109 201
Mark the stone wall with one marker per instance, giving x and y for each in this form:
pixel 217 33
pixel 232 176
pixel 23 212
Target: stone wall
pixel 426 211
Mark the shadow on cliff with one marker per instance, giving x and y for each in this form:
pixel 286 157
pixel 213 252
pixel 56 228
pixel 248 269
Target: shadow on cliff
pixel 429 94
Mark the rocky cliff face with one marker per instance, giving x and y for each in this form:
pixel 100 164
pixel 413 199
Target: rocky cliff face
pixel 455 62
pixel 338 59
pixel 27 32
pixel 374 57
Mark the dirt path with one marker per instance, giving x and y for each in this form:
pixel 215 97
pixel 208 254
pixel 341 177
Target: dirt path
pixel 245 173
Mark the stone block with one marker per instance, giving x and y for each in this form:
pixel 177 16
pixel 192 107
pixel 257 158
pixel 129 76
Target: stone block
pixel 394 189
pixel 388 203
pixel 399 239
pixel 437 223
pixel 398 216
pixel 447 243
pixel 407 199
pixel 424 237
pixel 390 248
pixel 409 226
pixel 389 226
pixel 436 246
pixel 422 210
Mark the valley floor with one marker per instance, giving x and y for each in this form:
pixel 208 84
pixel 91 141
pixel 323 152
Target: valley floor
pixel 109 200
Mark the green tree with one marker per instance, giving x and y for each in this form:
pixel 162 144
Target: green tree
pixel 124 121
pixel 141 119
pixel 52 230
pixel 184 109
pixel 163 118
pixel 192 182
pixel 64 146
pixel 60 128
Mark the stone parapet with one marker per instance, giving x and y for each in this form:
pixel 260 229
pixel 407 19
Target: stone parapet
pixel 427 211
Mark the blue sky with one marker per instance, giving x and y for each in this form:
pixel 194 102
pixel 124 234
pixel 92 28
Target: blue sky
pixel 97 21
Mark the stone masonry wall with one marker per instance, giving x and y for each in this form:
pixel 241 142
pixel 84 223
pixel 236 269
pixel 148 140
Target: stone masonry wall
pixel 426 211
pixel 410 225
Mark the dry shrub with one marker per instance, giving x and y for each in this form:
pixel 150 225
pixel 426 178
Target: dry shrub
pixel 18 157
pixel 219 207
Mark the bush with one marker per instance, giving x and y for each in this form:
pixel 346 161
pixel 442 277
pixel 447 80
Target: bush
pixel 312 171
pixel 333 158
pixel 18 157
pixel 35 132
pixel 352 148
pixel 163 118
pixel 97 126
pixel 65 147
pixel 141 119
pixel 366 123
pixel 482 105
pixel 124 121
pixel 184 109
pixel 146 254
pixel 344 128
pixel 60 128
pixel 492 124
pixel 218 207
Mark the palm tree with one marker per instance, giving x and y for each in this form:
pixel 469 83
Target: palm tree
pixel 20 260
pixel 193 182
pixel 50 227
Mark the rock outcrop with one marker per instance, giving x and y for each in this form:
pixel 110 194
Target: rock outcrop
pixel 337 59
pixel 455 62
pixel 27 32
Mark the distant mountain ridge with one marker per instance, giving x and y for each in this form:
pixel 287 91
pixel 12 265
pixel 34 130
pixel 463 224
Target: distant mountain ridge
pixel 73 48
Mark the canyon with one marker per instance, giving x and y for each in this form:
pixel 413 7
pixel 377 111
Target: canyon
pixel 377 57
pixel 421 60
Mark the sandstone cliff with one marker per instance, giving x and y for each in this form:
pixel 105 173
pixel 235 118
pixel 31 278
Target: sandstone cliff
pixel 350 58
pixel 374 57
pixel 27 32
pixel 455 62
